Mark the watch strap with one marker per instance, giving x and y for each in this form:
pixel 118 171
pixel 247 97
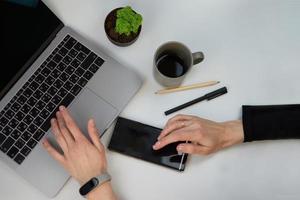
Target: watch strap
pixel 94 182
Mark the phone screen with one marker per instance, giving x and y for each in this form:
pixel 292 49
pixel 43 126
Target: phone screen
pixel 136 139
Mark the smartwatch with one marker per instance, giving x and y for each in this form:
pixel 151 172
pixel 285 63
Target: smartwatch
pixel 93 183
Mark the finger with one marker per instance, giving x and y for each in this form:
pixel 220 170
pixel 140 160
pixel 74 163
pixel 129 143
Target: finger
pixel 172 126
pixel 180 117
pixel 57 156
pixel 70 123
pixel 94 135
pixel 58 135
pixel 64 130
pixel 192 149
pixel 185 134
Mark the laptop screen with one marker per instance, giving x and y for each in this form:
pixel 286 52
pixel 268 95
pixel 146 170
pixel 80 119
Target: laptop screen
pixel 24 32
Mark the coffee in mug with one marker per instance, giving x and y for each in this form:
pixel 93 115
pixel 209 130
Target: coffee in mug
pixel 172 61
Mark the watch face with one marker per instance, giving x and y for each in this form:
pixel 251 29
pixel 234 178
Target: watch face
pixel 90 185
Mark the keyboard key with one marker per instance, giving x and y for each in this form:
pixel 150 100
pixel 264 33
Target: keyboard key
pixel 82 82
pixel 3 121
pixel 68 85
pixel 50 106
pixel 25 151
pixel 64 77
pixel 67 60
pixel 28 119
pixel 15 134
pixel 44 87
pixel 46 98
pixel 34 112
pixel 80 47
pixel 75 63
pixel 7 130
pixel 12 152
pixel 63 51
pixel 32 101
pixel 27 92
pixel 2 138
pixel 79 71
pixel 15 107
pixel 49 80
pixel 51 65
pixel 31 143
pixel 45 72
pixel 26 136
pixel 44 114
pixel 40 105
pixel 74 78
pixel 61 66
pixel 52 90
pixel 57 58
pixel 56 99
pixel 13 123
pixel 62 92
pixel 34 85
pixel 94 68
pixel 99 61
pixel 70 43
pixel 7 144
pixel 55 73
pixel 32 128
pixel 19 116
pixel 38 121
pixel 19 159
pixel 88 61
pixel 9 114
pixel 22 127
pixel 75 90
pixel 73 53
pixel 38 94
pixel 58 84
pixel 26 108
pixel 38 135
pixel 88 75
pixel 81 56
pixel 70 70
pixel 20 143
pixel 67 100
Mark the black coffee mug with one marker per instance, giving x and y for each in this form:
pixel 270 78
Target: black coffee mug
pixel 172 62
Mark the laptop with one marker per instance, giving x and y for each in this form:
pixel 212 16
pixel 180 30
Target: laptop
pixel 45 64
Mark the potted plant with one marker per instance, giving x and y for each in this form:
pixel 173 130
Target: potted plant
pixel 123 26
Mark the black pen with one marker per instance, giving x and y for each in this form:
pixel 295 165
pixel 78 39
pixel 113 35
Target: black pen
pixel 207 97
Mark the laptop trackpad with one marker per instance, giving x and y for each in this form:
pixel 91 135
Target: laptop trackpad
pixel 88 105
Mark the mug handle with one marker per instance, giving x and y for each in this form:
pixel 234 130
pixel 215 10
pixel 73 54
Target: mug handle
pixel 197 57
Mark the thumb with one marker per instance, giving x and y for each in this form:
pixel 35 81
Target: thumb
pixel 94 135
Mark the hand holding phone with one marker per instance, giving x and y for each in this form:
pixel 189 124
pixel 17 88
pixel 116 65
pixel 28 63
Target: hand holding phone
pixel 136 139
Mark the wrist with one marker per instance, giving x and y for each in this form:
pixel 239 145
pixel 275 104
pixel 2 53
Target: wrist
pixel 104 191
pixel 233 133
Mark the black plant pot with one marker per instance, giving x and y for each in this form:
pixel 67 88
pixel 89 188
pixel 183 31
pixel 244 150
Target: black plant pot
pixel 116 38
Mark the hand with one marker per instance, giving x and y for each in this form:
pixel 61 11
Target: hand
pixel 205 136
pixel 81 158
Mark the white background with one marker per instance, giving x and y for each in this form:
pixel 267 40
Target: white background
pixel 252 47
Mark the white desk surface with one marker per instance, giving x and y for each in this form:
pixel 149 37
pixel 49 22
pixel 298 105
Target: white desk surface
pixel 252 47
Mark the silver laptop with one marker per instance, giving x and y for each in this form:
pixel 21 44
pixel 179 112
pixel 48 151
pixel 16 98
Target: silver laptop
pixel 45 64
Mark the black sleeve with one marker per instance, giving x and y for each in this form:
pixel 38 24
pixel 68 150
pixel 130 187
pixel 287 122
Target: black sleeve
pixel 271 122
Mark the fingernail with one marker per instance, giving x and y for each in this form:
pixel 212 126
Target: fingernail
pixel 179 148
pixel 61 108
pixel 52 120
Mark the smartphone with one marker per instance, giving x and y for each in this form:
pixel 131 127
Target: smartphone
pixel 136 139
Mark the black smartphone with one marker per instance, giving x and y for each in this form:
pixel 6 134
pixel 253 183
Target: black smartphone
pixel 136 139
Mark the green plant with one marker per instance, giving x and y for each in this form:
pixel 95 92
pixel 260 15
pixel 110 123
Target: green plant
pixel 128 21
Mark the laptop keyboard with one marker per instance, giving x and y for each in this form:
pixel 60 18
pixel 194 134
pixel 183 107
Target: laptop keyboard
pixel 26 118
